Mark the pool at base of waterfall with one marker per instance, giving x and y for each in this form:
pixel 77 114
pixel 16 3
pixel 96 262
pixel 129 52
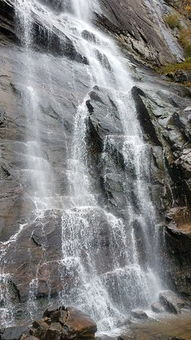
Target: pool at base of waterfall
pixel 166 327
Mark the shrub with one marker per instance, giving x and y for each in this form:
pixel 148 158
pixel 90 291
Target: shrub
pixel 185 41
pixel 172 20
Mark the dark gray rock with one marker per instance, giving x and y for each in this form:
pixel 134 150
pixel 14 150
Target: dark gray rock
pixel 139 314
pixel 28 337
pixel 182 76
pixel 157 307
pixel 172 302
pixel 13 333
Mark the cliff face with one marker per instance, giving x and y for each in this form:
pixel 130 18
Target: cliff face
pixel 164 112
pixel 139 26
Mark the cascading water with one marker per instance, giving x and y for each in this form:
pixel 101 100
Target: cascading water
pixel 103 260
pixel 107 290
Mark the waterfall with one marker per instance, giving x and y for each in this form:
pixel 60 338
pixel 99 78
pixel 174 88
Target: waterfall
pixel 101 251
pixel 40 173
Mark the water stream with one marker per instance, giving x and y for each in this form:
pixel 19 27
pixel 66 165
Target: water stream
pixel 105 283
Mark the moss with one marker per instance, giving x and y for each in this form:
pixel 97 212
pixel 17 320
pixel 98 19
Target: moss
pixel 185 41
pixel 172 20
pixel 185 66
pixel 188 84
pixel 172 68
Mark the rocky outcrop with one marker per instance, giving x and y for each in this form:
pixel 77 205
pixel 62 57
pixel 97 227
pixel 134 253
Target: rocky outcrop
pixel 171 302
pixel 139 29
pixel 58 323
pixel 62 323
pixel 165 121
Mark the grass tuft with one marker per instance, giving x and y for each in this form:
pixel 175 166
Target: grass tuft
pixel 184 66
pixel 172 20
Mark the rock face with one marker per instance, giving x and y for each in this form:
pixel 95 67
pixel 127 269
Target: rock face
pixel 165 120
pixel 143 33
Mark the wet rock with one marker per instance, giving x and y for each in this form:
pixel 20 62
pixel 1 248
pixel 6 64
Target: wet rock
pixel 172 302
pixel 140 34
pixel 39 328
pixel 62 323
pixel 12 333
pixel 157 307
pixel 104 116
pixel 28 337
pixel 46 40
pixel 144 117
pixel 185 161
pixel 80 323
pixel 139 314
pixel 54 312
pixel 54 332
pixel 182 76
pixel 2 117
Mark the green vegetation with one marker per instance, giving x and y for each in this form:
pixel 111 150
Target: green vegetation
pixel 183 32
pixel 172 20
pixel 185 41
pixel 183 66
pixel 173 68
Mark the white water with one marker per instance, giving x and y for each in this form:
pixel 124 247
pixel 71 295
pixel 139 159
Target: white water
pixel 101 259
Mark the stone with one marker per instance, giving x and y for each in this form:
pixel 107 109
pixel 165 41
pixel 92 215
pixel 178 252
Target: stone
pixel 28 337
pixel 54 312
pixel 2 117
pixel 39 328
pixel 157 307
pixel 12 333
pixel 80 323
pixel 40 324
pixel 182 76
pixel 139 314
pixel 61 323
pixel 172 302
pixel 54 332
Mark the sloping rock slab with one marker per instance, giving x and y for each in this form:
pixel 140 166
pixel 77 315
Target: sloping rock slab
pixel 171 302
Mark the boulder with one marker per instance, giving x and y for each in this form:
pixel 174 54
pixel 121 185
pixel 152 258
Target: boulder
pixel 12 333
pixel 54 332
pixel 172 302
pixel 157 307
pixel 80 323
pixel 139 314
pixel 61 323
pixel 54 313
pixel 181 76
